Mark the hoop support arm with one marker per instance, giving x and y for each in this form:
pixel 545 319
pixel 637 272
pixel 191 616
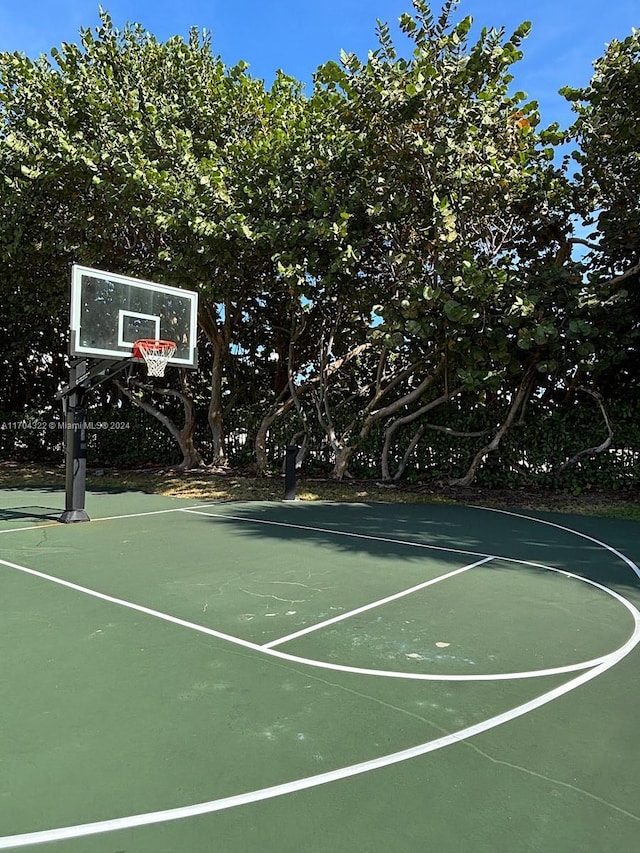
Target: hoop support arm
pixel 105 369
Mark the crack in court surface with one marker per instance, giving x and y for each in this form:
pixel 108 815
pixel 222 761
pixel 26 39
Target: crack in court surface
pixel 596 668
pixel 501 762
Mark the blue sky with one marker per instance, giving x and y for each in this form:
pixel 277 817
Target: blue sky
pixel 298 35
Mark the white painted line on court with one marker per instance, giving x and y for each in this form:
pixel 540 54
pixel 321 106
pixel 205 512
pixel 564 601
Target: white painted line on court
pixel 487 557
pixel 12 842
pixel 149 818
pixel 634 568
pixel 107 518
pixel 130 605
pixel 31 527
pixel 350 534
pixel 373 604
pixel 334 667
pixel 502 676
pixel 153 512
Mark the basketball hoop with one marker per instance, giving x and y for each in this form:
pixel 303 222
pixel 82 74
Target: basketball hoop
pixel 156 354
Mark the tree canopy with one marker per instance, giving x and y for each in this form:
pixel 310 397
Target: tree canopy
pixel 388 257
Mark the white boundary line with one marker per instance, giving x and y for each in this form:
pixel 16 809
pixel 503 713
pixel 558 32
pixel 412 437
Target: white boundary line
pixel 634 568
pixel 12 842
pixel 83 830
pixel 31 527
pixel 110 517
pixel 319 664
pixel 153 512
pixel 308 529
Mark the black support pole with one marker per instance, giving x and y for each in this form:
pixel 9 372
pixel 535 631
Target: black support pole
pixel 76 449
pixel 290 473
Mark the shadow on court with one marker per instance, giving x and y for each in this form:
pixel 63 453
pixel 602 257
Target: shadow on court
pixel 570 543
pixel 190 656
pixel 28 513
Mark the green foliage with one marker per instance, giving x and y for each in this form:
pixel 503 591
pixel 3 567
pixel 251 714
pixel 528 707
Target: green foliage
pixel 116 437
pixel 607 191
pixel 531 455
pixel 415 187
pixel 609 137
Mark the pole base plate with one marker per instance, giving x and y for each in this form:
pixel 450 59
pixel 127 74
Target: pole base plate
pixel 70 516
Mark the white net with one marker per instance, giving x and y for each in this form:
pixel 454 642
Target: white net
pixel 156 355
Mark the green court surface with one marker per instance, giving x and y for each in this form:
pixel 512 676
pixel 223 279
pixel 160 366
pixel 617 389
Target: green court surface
pixel 192 677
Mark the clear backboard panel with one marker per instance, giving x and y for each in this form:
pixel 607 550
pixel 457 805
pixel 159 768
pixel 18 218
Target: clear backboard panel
pixel 109 312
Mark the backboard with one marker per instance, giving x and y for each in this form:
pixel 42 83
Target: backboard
pixel 109 312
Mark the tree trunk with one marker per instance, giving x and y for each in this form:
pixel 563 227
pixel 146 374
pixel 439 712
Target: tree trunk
pixel 520 398
pixel 191 457
pixel 590 451
pixel 345 447
pixel 398 423
pixel 215 413
pixel 341 465
pixel 184 437
pixel 284 403
pixel 219 335
pixel 260 443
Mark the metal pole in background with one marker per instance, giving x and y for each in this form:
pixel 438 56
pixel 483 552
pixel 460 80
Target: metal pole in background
pixel 75 448
pixel 290 473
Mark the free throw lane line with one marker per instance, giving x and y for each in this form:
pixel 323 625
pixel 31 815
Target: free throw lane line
pixel 319 664
pixel 373 604
pixel 83 830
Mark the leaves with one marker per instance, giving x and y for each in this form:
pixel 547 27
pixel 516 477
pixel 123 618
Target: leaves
pixel 399 231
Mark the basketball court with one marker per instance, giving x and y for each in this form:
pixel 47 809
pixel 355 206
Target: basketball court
pixel 198 677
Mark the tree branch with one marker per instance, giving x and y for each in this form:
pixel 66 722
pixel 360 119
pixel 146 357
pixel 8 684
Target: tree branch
pixel 583 242
pixel 600 448
pixel 523 393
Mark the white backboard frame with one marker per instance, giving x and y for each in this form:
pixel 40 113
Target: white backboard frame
pixel 125 351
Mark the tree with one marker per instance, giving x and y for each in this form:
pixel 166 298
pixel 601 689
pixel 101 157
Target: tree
pixel 375 258
pixel 468 214
pixel 607 192
pixel 83 154
pixel 125 153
